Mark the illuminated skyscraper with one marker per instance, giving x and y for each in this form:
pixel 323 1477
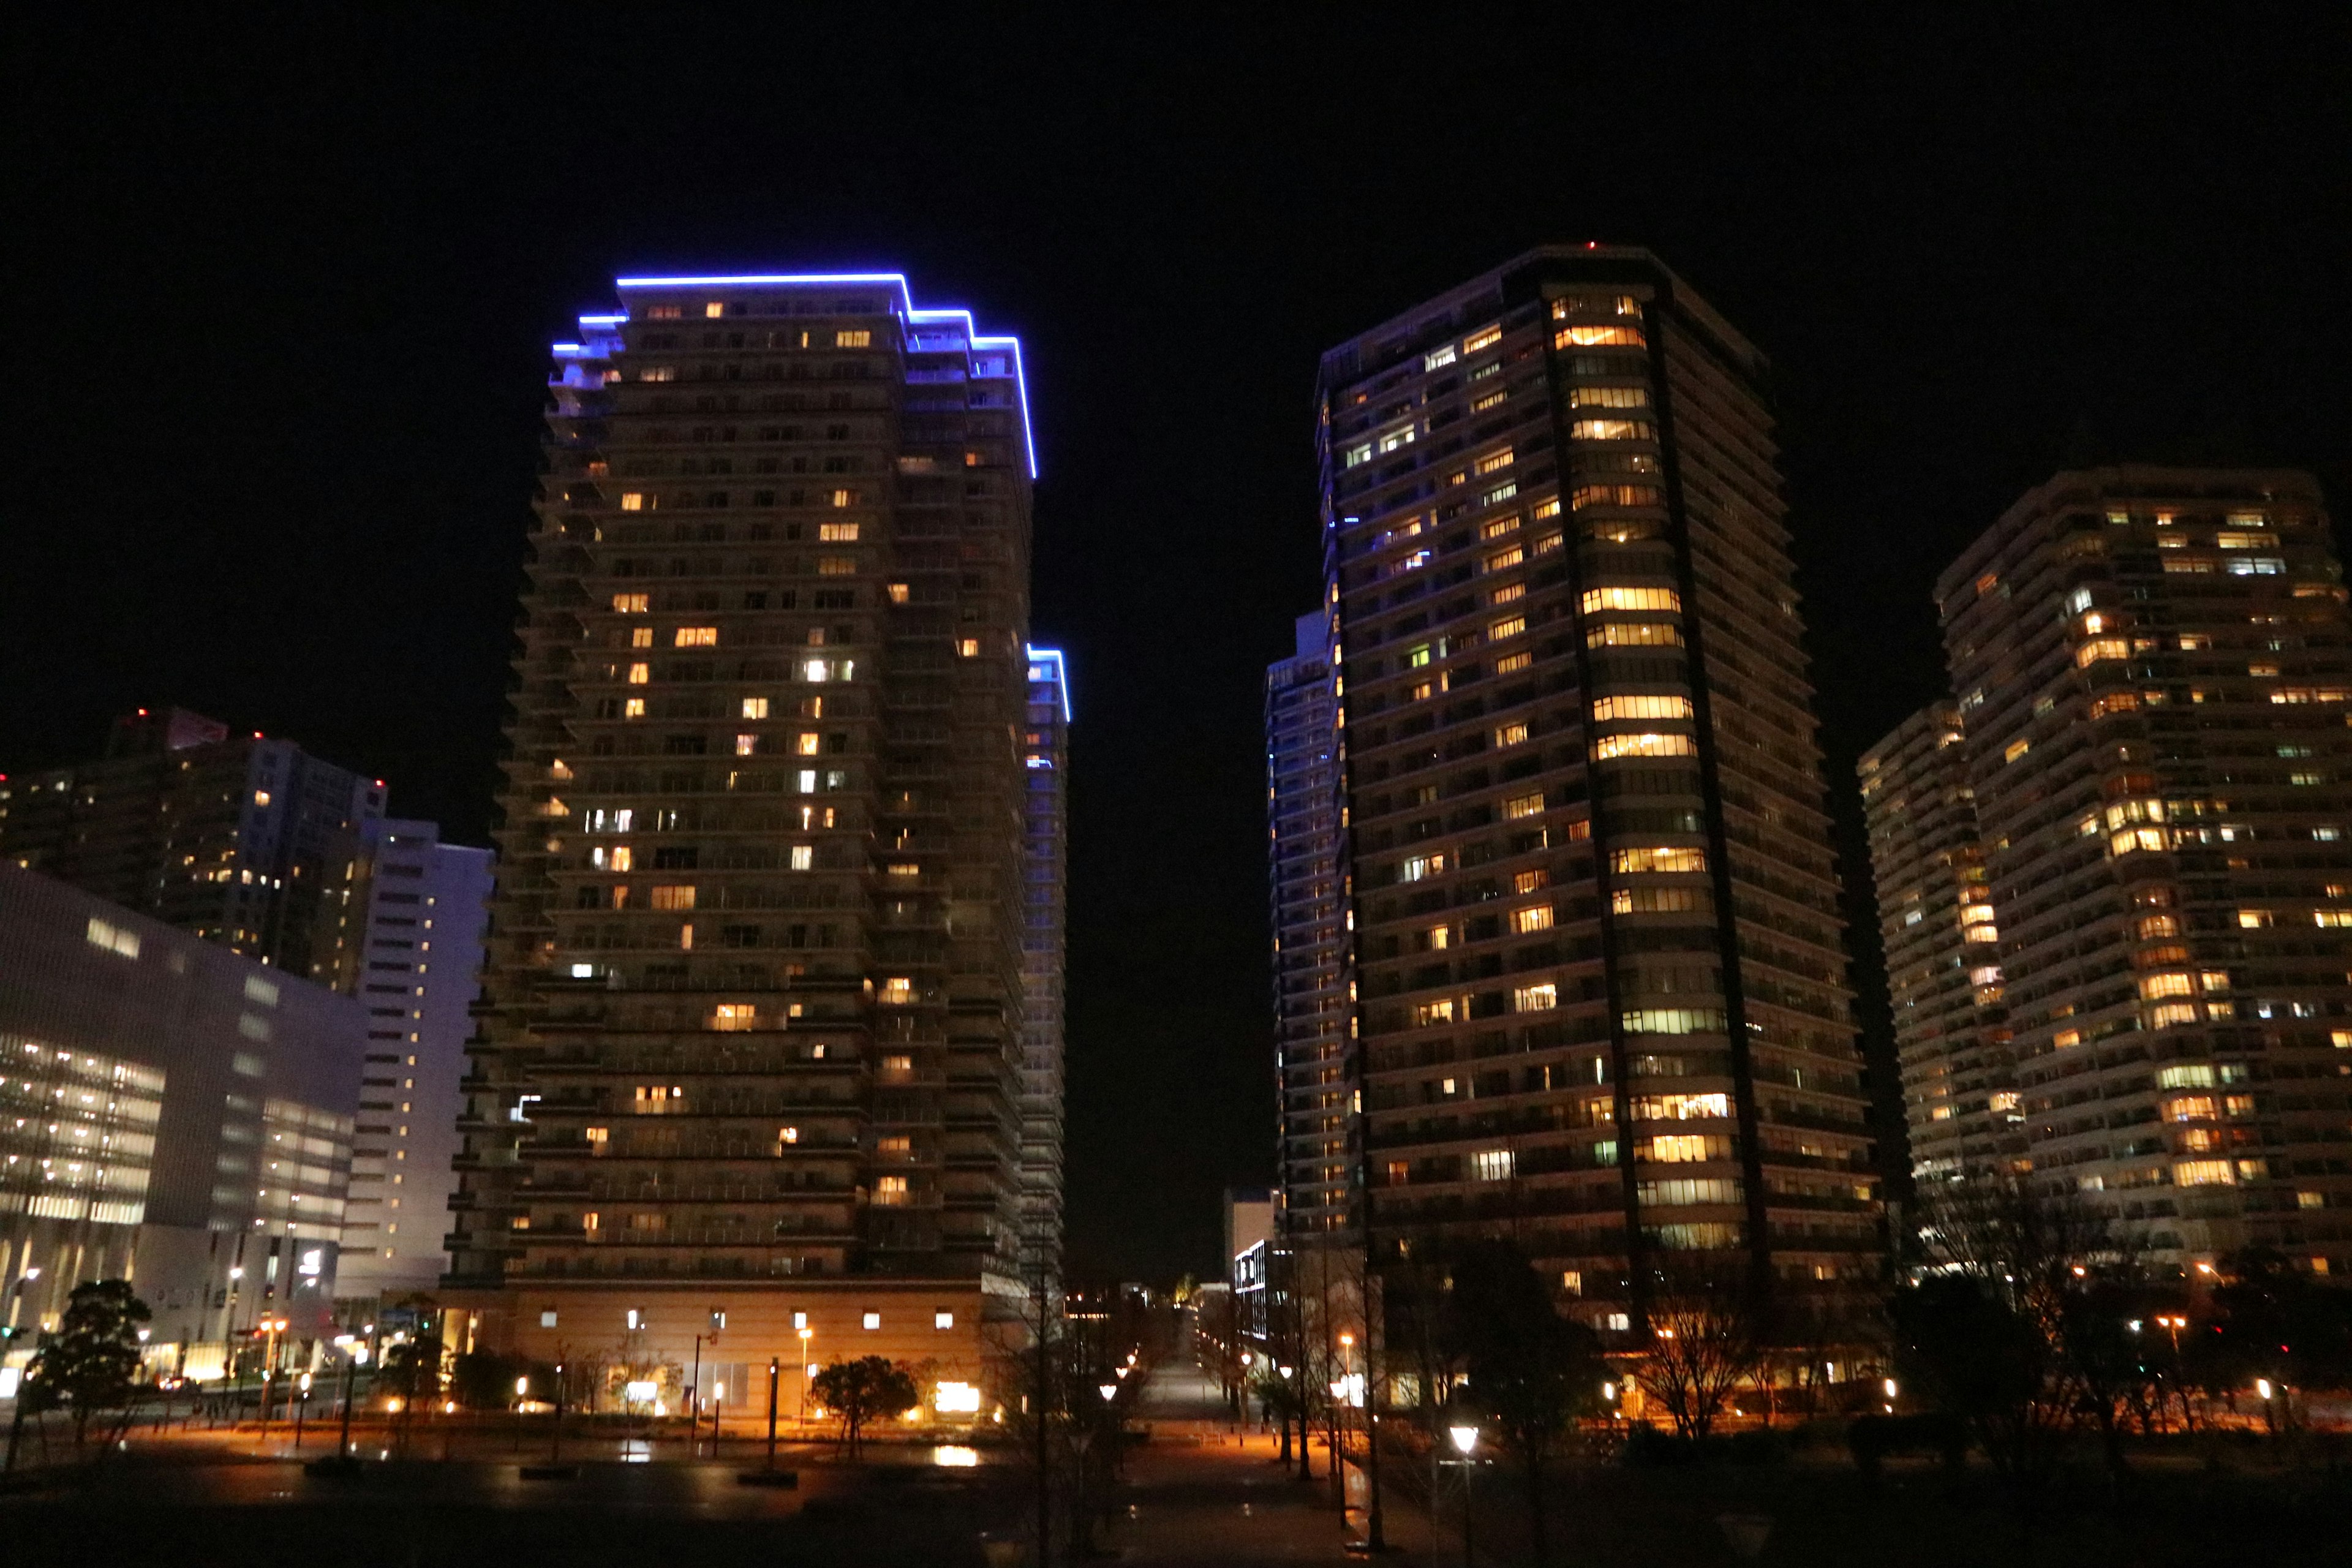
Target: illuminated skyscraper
pixel 1306 892
pixel 1935 923
pixel 1599 995
pixel 426 904
pixel 245 841
pixel 1046 742
pixel 2154 668
pixel 753 1032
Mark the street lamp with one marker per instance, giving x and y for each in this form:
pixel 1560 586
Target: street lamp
pixel 1465 1443
pixel 1109 1391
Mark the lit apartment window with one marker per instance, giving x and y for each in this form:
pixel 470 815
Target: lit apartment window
pixel 1608 748
pixel 629 603
pixel 1599 337
pixel 640 674
pixel 632 501
pixel 1533 918
pixel 1510 734
pixel 897 992
pixel 943 1320
pixel 890 1192
pixel 1493 1165
pixel 746 744
pixel 641 636
pixel 837 533
pixel 715 308
pixel 1484 337
pixel 677 897
pixel 1646 633
pixel 1510 664
pixel 1607 709
pixel 898 593
pixel 1511 627
pixel 734 1018
pixel 1519 805
pixel 1597 600
pixel 1659 857
pixel 695 637
pixel 804 744
pixel 622 859
pixel 755 708
pixel 872 1320
pixel 803 856
pixel 1534 998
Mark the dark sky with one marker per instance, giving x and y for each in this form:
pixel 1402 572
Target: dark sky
pixel 278 302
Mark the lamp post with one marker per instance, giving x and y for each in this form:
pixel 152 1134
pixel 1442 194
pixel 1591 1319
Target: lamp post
pixel 351 1359
pixel 775 1369
pixel 1465 1443
pixel 301 1409
pixel 808 1370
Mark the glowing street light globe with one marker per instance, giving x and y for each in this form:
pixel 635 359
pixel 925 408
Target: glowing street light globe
pixel 1466 1439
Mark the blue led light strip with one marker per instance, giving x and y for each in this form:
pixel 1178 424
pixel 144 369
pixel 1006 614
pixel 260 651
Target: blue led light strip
pixel 1061 679
pixel 906 307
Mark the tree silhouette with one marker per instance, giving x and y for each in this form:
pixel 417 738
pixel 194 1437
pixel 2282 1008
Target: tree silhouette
pixel 1706 1342
pixel 92 1360
pixel 1531 1369
pixel 859 1391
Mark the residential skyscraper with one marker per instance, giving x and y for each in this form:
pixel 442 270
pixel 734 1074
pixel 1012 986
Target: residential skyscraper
pixel 248 842
pixel 1045 751
pixel 752 1029
pixel 2154 667
pixel 421 965
pixel 1960 1100
pixel 1600 998
pixel 1307 905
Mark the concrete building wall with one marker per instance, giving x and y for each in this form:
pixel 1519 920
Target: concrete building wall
pixel 199 1129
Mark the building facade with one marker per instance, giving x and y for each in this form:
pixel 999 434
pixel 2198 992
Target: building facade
pixel 1600 997
pixel 245 841
pixel 172 1113
pixel 2154 668
pixel 752 1027
pixel 1045 754
pixel 1961 1105
pixel 420 968
pixel 1306 909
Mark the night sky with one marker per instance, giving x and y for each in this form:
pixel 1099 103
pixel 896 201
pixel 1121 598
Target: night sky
pixel 278 302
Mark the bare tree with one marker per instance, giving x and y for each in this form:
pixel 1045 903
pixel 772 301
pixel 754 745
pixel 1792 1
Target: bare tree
pixel 1704 1341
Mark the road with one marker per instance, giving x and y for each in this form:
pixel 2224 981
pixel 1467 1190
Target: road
pixel 1200 1492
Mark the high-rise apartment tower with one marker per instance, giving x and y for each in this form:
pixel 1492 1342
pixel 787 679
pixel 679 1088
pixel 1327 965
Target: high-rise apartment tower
pixel 2154 669
pixel 754 1019
pixel 248 842
pixel 1601 1002
pixel 1960 1098
pixel 426 904
pixel 1306 890
pixel 1046 753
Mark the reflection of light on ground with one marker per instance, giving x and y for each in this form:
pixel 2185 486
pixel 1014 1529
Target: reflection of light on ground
pixel 636 1451
pixel 951 1455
